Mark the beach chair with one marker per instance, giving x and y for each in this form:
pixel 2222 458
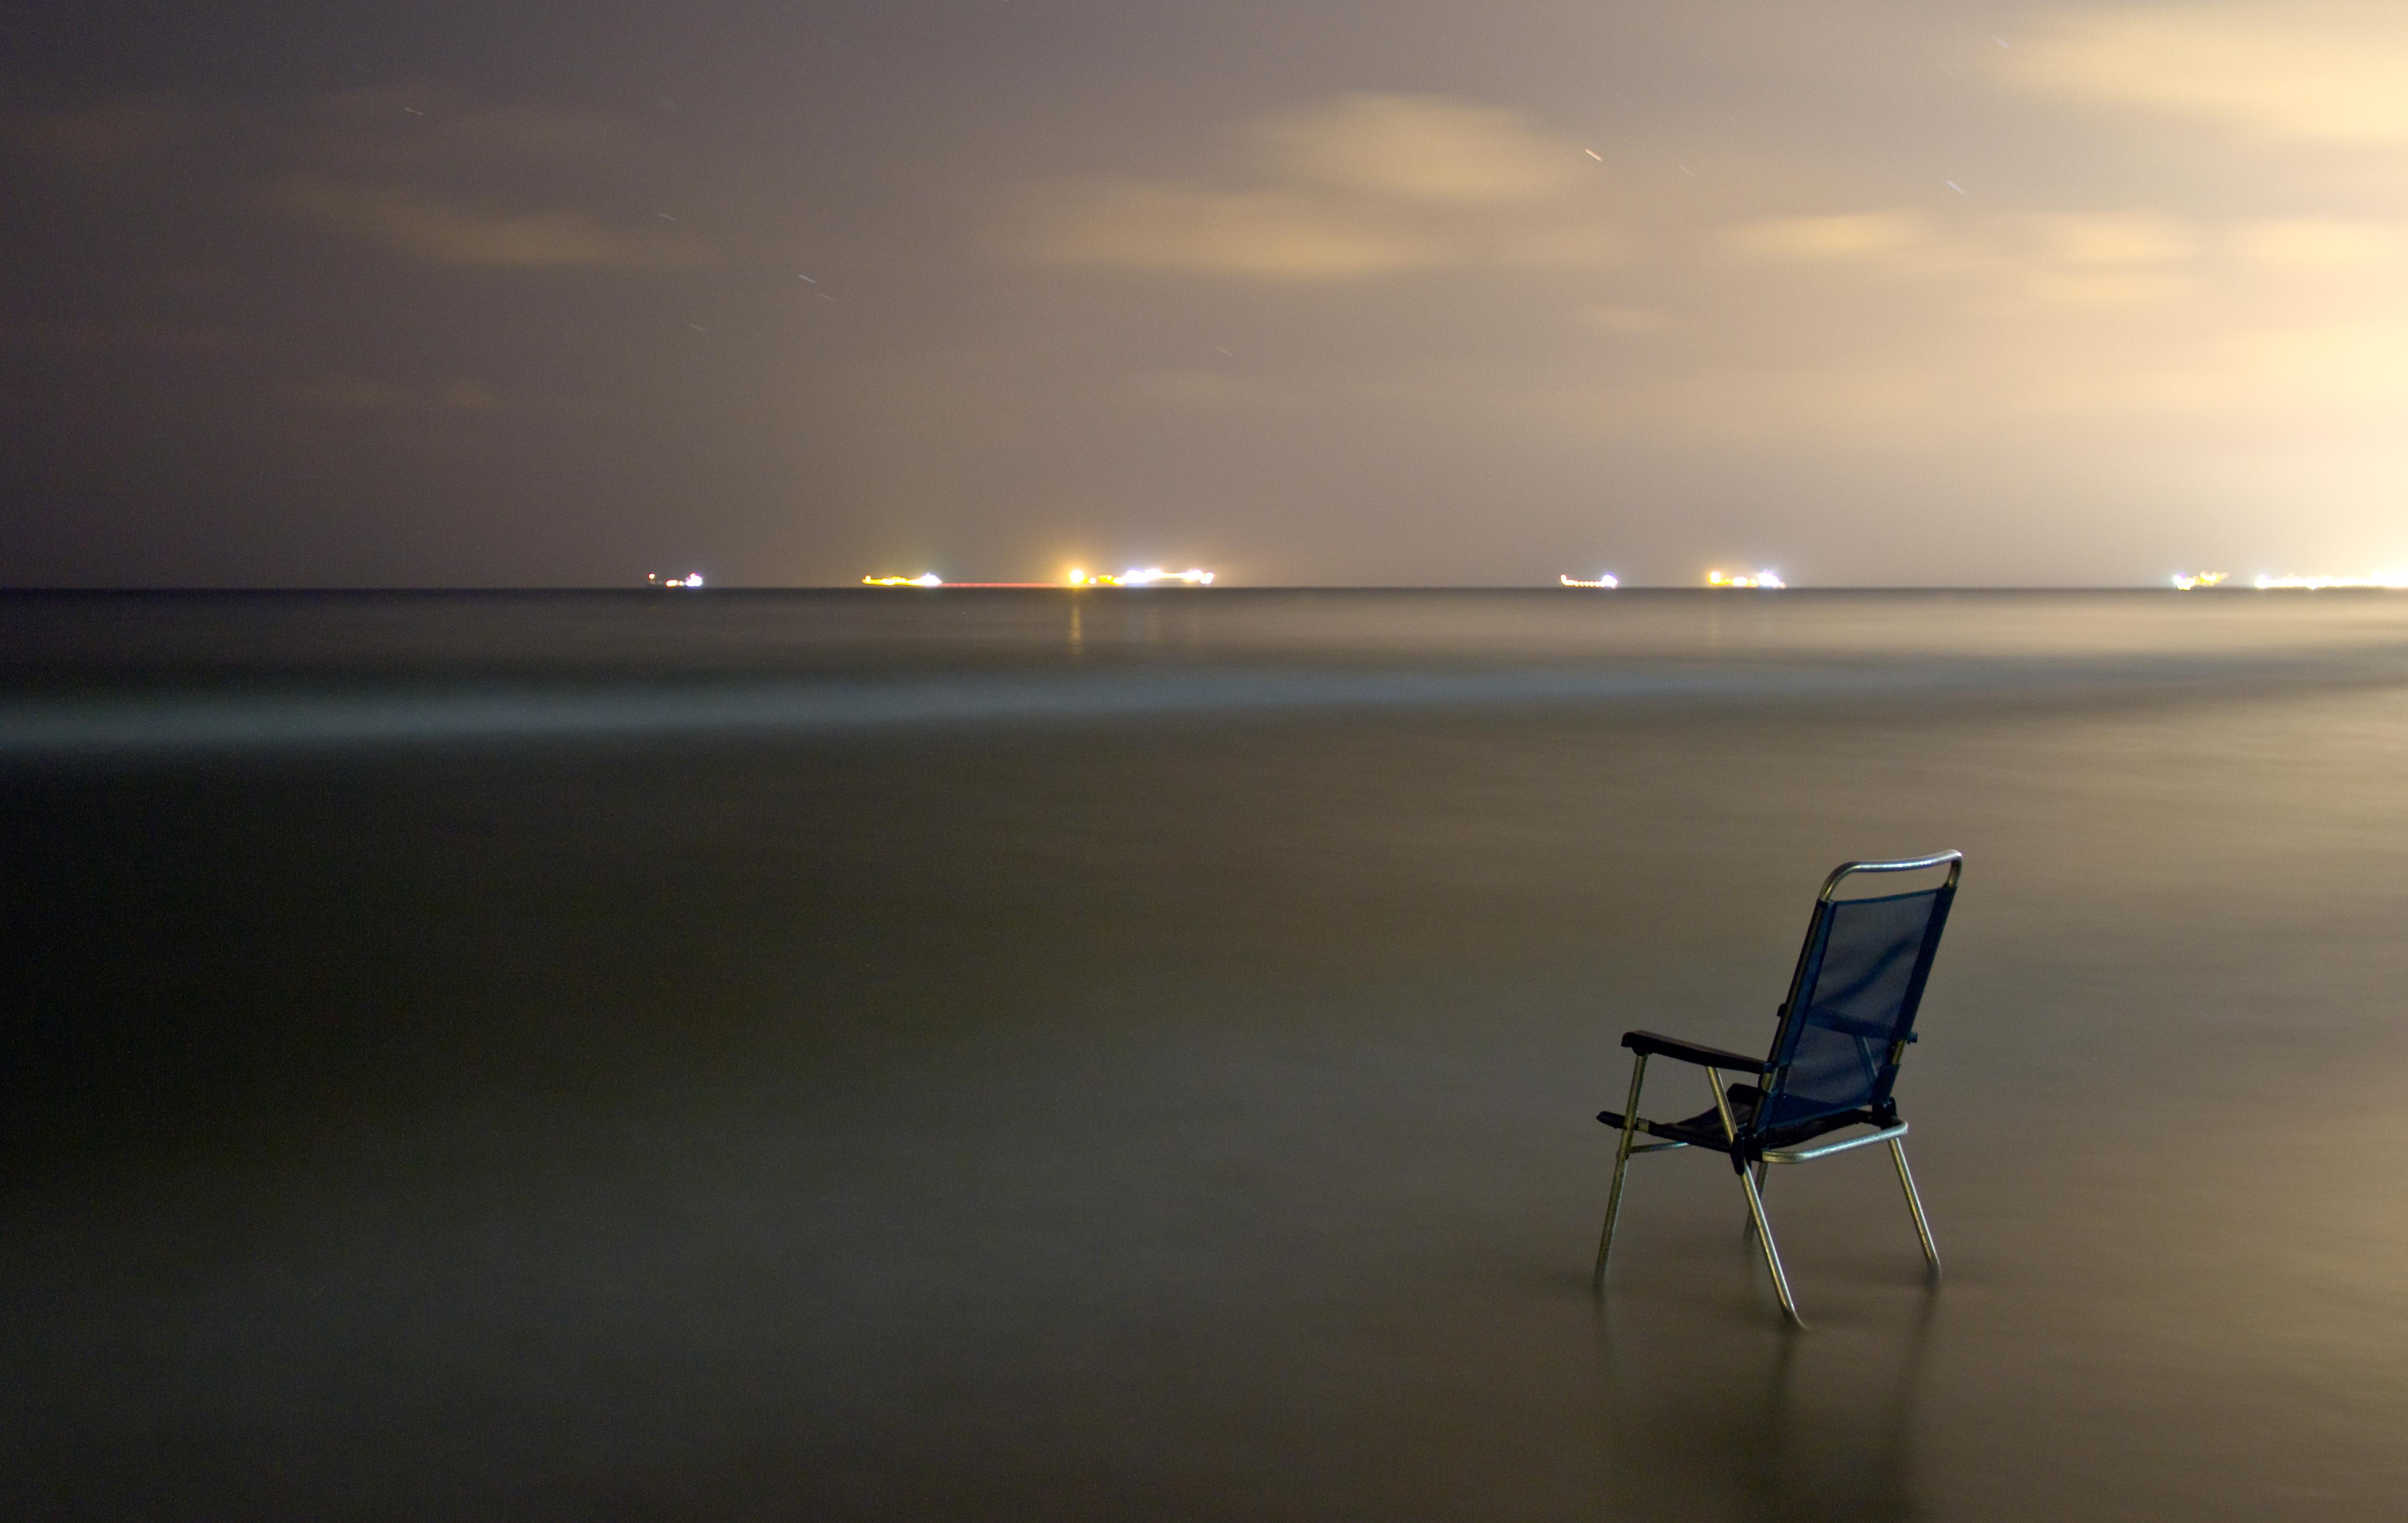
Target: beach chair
pixel 1835 1055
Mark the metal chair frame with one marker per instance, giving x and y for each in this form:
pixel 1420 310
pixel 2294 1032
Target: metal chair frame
pixel 1750 1159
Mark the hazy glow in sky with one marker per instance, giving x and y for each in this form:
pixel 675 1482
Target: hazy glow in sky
pixel 1307 291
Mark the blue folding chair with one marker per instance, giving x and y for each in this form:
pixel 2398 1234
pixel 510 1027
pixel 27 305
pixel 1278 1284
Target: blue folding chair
pixel 1835 1055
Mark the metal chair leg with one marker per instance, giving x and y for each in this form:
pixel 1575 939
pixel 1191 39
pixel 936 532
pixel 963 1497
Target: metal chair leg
pixel 1621 1167
pixel 1914 1204
pixel 1772 1253
pixel 1755 1205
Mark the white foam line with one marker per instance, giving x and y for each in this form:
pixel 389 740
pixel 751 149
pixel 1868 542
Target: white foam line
pixel 209 722
pixel 203 722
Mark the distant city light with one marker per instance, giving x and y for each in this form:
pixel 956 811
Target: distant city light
pixel 691 579
pixel 1137 577
pixel 1146 577
pixel 1761 579
pixel 2186 580
pixel 2390 581
pixel 1604 579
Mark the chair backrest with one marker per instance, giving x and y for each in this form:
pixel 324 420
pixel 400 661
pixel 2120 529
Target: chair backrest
pixel 1852 1002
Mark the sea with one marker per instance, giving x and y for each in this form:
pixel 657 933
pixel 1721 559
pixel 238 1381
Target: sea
pixel 1133 1054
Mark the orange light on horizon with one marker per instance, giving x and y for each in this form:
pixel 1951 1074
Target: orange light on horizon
pixel 2386 580
pixel 1134 577
pixel 1077 577
pixel 1139 577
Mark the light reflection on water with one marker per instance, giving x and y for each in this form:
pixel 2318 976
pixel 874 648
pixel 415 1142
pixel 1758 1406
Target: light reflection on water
pixel 1111 1119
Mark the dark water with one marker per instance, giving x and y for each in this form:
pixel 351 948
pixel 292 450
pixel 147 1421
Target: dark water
pixel 1132 1055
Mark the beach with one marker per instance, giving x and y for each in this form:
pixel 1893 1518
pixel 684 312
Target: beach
pixel 1127 1054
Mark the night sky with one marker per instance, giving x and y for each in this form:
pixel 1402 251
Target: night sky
pixel 1888 292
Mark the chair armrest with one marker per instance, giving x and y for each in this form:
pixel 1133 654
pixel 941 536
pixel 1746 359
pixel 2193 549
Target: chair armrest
pixel 1649 1044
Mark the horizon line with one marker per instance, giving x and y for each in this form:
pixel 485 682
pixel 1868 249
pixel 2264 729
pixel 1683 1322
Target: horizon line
pixel 107 589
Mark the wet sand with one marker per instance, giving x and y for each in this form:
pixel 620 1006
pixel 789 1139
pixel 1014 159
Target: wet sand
pixel 1188 1113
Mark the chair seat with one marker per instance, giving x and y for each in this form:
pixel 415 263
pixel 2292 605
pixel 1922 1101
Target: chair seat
pixel 1705 1129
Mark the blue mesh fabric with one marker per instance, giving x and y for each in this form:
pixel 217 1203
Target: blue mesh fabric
pixel 1857 999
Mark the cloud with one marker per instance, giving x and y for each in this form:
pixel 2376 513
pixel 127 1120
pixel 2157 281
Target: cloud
pixel 1851 403
pixel 2094 259
pixel 414 171
pixel 2113 240
pixel 1882 235
pixel 386 164
pixel 446 231
pixel 2076 258
pixel 1878 330
pixel 1359 187
pixel 2209 368
pixel 426 126
pixel 2321 70
pixel 2308 243
pixel 1855 323
pixel 1268 235
pixel 1422 149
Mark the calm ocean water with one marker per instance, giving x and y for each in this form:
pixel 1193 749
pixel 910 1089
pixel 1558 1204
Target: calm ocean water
pixel 1133 1055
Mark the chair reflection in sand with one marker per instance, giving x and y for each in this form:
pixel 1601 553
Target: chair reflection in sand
pixel 1835 1055
pixel 1712 1423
